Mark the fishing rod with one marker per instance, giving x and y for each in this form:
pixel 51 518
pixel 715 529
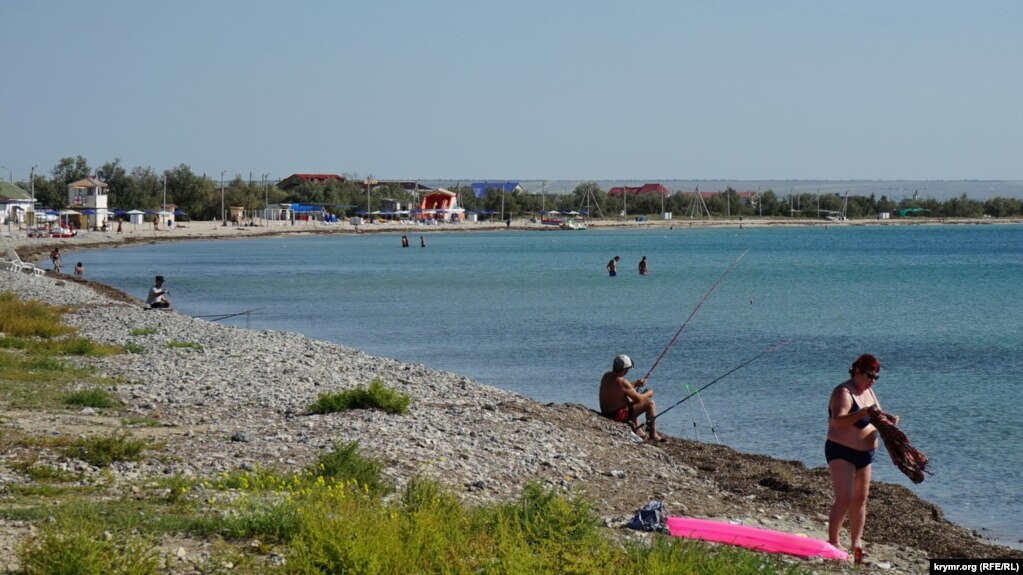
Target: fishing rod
pixel 218 317
pixel 707 413
pixel 724 375
pixel 695 309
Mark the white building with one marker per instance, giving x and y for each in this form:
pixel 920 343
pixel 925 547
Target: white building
pixel 89 194
pixel 15 204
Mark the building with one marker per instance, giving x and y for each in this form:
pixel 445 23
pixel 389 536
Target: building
pixel 15 204
pixel 440 204
pixel 296 180
pixel 480 189
pixel 643 190
pixel 89 196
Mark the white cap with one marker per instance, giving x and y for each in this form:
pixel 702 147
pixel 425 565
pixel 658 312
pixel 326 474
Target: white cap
pixel 622 362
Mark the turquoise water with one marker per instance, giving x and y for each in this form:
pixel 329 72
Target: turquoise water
pixel 535 313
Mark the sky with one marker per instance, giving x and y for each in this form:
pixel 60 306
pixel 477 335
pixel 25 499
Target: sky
pixel 544 89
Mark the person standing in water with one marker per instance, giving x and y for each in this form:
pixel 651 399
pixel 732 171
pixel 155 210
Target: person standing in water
pixel 612 266
pixel 642 267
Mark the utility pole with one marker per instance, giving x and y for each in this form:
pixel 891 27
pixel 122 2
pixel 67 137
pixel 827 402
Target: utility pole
pixel 223 214
pixel 32 185
pixel 164 192
pixel 266 196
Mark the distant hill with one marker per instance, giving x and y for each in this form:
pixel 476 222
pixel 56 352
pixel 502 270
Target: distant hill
pixel 894 189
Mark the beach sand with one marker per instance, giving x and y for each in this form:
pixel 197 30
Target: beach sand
pixel 32 249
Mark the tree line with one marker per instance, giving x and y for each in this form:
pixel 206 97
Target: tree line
pixel 201 197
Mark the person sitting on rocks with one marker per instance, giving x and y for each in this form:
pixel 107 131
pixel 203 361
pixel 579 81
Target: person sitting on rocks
pixel 620 401
pixel 157 297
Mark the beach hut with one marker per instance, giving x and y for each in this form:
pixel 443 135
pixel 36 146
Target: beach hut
pixel 135 216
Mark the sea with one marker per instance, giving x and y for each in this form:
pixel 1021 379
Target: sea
pixel 788 309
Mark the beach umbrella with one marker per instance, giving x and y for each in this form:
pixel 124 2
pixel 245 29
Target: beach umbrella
pixel 179 213
pixel 150 213
pixel 88 212
pixel 119 212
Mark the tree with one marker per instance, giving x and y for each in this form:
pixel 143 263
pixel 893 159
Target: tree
pixel 587 193
pixel 66 171
pixel 116 179
pixel 141 192
pixel 194 194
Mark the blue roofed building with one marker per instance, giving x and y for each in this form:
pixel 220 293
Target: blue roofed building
pixel 481 189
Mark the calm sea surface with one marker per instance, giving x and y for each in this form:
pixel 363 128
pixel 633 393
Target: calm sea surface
pixel 535 313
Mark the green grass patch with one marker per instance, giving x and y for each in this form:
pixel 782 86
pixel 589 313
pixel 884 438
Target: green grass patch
pixel 102 450
pixel 42 473
pixel 78 542
pixel 143 331
pixel 30 318
pixel 175 344
pixel 325 526
pixel 94 397
pixel 141 421
pixel 134 348
pixel 376 396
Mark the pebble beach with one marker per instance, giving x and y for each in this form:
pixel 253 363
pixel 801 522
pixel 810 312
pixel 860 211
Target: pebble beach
pixel 237 399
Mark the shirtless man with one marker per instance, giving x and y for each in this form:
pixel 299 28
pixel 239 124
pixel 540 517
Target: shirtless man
pixel 612 266
pixel 620 401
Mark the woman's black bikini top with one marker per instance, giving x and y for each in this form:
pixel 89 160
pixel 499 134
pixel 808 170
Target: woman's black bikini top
pixel 861 422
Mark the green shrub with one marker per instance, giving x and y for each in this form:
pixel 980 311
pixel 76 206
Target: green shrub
pixel 275 520
pixel 95 397
pixel 101 451
pixel 376 396
pixel 345 463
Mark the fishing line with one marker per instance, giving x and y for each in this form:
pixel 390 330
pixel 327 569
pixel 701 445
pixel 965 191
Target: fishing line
pixel 707 413
pixel 692 412
pixel 722 376
pixel 695 309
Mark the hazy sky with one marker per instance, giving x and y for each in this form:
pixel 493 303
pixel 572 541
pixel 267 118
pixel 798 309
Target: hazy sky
pixel 544 89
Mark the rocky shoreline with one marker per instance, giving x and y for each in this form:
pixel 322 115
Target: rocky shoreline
pixel 236 398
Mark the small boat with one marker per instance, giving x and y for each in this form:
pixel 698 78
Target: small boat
pixel 572 225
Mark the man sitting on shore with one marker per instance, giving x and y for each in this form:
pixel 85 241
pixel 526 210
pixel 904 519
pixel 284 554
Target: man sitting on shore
pixel 157 297
pixel 620 401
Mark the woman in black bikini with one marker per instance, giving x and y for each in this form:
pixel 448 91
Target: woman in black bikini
pixel 849 449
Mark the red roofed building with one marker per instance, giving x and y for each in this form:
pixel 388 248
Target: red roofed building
pixel 638 191
pixel 295 180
